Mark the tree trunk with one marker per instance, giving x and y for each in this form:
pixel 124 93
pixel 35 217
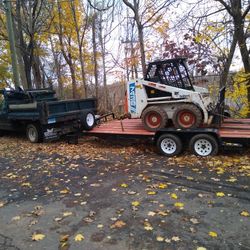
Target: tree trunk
pixel 238 20
pixel 228 62
pixel 142 49
pixel 102 42
pixel 36 72
pixel 58 70
pixel 23 47
pixel 95 55
pixel 21 69
pixel 73 77
pixel 80 51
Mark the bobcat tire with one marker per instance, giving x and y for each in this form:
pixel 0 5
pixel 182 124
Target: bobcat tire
pixel 154 118
pixel 187 116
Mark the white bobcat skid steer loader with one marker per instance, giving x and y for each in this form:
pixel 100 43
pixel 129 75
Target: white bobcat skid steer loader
pixel 166 94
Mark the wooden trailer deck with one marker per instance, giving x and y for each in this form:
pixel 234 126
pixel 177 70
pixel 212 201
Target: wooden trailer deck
pixel 230 128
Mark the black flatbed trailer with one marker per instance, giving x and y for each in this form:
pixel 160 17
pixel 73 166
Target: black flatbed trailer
pixel 202 141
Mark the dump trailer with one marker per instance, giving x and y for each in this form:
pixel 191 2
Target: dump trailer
pixel 42 116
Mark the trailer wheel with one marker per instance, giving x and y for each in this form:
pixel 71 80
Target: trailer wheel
pixel 34 133
pixel 169 145
pixel 187 116
pixel 154 118
pixel 204 145
pixel 88 120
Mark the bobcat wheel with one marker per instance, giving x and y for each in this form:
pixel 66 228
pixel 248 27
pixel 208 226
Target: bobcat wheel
pixel 187 116
pixel 204 145
pixel 154 118
pixel 169 145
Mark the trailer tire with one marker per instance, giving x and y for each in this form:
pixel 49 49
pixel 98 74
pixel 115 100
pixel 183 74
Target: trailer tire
pixel 34 133
pixel 204 145
pixel 187 116
pixel 169 145
pixel 88 120
pixel 154 118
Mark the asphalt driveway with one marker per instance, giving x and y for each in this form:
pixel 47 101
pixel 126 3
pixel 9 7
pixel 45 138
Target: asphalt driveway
pixel 103 195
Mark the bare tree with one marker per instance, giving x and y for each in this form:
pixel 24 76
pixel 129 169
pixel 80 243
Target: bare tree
pixel 140 10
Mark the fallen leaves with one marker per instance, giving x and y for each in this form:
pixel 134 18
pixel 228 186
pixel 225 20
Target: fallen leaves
pixel 38 211
pixel 179 204
pixel 66 214
pixel 160 239
pixel 213 234
pixel 16 218
pixel 245 214
pixel 148 226
pixel 175 238
pixel 220 194
pixel 194 221
pixel 124 185
pixel 151 213
pixel 37 236
pixel 79 237
pixel 26 184
pixel 118 224
pixel 64 240
pixel 162 186
pixel 2 203
pixel 135 203
pixel 174 196
pixel 64 191
pixel 151 193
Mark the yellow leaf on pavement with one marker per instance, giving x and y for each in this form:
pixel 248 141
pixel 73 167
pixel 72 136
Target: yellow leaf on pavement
pixel 201 248
pixel 147 226
pixel 124 185
pixel 162 185
pixel 220 194
pixel 213 234
pixel 245 213
pixel 135 203
pixel 174 196
pixel 79 237
pixel 160 239
pixel 37 237
pixel 179 204
pixel 151 192
pixel 64 191
pixel 26 184
pixel 65 214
